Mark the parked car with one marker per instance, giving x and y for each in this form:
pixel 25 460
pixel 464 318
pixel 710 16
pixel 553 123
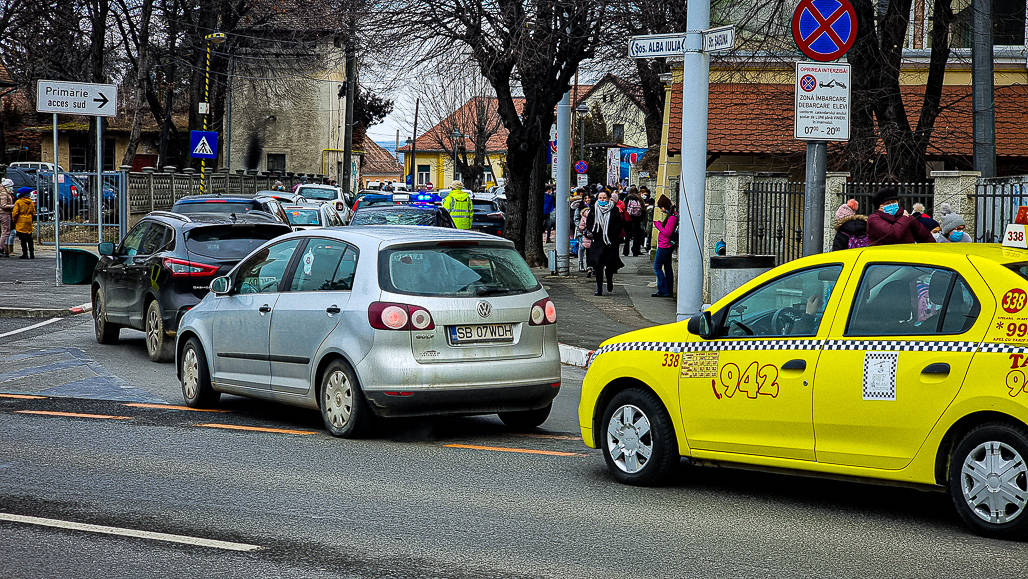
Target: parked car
pixel 229 204
pixel 488 216
pixel 377 199
pixel 429 215
pixel 163 267
pixel 377 321
pixel 320 193
pixel 36 166
pixel 72 197
pixel 283 197
pixel 313 216
pixel 25 179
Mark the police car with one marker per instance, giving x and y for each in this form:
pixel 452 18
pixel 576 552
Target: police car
pixel 899 363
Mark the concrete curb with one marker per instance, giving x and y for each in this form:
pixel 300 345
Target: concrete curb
pixel 573 355
pixel 45 312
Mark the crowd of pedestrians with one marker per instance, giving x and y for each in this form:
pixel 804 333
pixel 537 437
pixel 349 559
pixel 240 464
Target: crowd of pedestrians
pixel 891 223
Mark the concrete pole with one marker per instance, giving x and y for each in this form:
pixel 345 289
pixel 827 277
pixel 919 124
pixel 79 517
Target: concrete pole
pixel 351 83
pixel 814 199
pixel 695 84
pixel 982 89
pixel 563 182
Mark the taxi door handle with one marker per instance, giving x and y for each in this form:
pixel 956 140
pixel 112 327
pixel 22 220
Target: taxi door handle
pixel 795 365
pixel 937 368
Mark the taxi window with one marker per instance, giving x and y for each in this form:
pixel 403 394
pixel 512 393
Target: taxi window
pixel 792 305
pixel 909 300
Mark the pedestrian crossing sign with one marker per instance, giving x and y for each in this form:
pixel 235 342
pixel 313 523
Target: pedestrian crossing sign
pixel 203 144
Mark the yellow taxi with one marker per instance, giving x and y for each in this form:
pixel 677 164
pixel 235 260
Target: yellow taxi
pixel 900 363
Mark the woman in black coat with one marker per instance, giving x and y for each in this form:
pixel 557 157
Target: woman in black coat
pixel 604 228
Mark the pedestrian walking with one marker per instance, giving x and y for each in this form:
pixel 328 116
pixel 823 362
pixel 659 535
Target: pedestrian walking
pixel 458 204
pixel 6 206
pixel 890 225
pixel 602 227
pixel 23 214
pixel 634 213
pixel 952 229
pixel 665 248
pixel 850 227
pixel 548 207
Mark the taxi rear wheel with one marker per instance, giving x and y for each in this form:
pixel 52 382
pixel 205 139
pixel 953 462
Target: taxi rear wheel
pixel 988 480
pixel 638 439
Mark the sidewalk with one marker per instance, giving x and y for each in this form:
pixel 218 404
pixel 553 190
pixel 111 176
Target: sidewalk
pixel 28 288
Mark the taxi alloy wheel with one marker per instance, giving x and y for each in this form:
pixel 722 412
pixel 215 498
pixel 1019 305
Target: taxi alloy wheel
pixel 159 346
pixel 989 479
pixel 342 403
pixel 639 439
pixel 196 380
pixel 106 332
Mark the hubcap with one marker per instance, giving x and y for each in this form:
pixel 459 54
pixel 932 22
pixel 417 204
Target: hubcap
pixel 153 329
pixel 994 480
pixel 190 374
pixel 338 401
pixel 629 440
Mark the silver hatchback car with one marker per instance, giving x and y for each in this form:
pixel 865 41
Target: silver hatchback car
pixel 373 321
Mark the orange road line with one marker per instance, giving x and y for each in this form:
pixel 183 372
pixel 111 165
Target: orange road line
pixel 73 414
pixel 23 396
pixel 172 407
pixel 522 450
pixel 257 428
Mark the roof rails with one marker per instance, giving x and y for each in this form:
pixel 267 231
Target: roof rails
pixel 171 215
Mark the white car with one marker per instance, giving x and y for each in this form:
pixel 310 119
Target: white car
pixel 314 216
pixel 321 193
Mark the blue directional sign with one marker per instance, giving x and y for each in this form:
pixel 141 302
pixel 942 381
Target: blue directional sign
pixel 203 144
pixel 824 29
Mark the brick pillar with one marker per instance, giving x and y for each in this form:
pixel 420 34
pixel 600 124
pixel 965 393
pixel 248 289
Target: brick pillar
pixel 957 188
pixel 834 183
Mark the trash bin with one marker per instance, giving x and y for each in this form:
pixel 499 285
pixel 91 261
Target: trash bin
pixel 77 265
pixel 730 272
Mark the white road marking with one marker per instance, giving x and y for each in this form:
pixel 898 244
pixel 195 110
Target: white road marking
pixel 184 539
pixel 32 327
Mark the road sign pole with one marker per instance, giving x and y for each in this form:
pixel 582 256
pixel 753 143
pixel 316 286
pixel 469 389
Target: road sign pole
pixel 99 181
pixel 814 199
pixel 57 207
pixel 695 84
pixel 563 163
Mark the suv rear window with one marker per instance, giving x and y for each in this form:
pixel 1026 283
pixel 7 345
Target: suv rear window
pixel 466 271
pixel 394 217
pixel 230 241
pixel 215 207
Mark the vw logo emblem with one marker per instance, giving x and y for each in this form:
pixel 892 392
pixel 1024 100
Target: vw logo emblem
pixel 484 309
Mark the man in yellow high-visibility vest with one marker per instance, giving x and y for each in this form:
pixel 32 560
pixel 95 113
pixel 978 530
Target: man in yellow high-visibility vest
pixel 458 204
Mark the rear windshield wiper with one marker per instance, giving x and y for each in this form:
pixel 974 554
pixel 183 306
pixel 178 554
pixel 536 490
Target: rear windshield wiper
pixel 492 291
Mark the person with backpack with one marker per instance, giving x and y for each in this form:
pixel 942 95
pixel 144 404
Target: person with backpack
pixel 634 212
pixel 850 227
pixel 666 230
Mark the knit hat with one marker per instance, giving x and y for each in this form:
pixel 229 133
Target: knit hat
pixel 456 185
pixel 7 183
pixel 949 222
pixel 929 223
pixel 844 211
pixel 24 193
pixel 885 194
pixel 944 210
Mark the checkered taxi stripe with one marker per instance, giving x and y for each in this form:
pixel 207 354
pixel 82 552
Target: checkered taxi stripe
pixel 864 345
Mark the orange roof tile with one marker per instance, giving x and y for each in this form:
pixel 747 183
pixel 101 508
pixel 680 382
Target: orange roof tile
pixel 378 161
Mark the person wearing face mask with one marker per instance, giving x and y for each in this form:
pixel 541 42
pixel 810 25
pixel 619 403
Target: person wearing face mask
pixel 890 225
pixel 602 227
pixel 952 230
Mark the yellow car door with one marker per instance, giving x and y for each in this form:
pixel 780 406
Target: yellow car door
pixel 897 354
pixel 749 389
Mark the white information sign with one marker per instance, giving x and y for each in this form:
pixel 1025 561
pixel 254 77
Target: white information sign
pixel 656 45
pixel 880 375
pixel 76 98
pixel 722 38
pixel 822 101
pixel 583 180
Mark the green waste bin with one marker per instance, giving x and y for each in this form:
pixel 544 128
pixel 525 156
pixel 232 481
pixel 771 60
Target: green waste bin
pixel 77 265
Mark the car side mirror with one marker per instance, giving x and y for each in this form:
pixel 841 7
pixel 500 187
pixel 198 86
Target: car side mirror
pixel 221 285
pixel 702 325
pixel 105 248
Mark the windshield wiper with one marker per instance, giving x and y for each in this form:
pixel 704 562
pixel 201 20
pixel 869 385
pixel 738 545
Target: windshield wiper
pixel 491 291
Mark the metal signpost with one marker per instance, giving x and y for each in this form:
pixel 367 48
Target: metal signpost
pixel 77 98
pixel 823 30
pixel 581 168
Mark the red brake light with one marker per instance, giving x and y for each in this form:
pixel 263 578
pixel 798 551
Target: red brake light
pixel 74 191
pixel 543 313
pixel 183 268
pixel 393 316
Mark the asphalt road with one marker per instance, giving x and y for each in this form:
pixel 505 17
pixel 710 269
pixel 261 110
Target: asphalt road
pixel 453 497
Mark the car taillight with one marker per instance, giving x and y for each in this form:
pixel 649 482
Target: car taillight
pixel 543 313
pixel 74 191
pixel 183 268
pixel 393 316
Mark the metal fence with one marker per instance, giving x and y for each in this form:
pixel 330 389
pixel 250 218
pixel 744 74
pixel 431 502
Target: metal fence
pixel 909 194
pixel 996 201
pixel 159 190
pixel 775 215
pixel 82 208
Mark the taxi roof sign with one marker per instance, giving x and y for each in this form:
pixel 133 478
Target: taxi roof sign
pixel 1014 236
pixel 1022 215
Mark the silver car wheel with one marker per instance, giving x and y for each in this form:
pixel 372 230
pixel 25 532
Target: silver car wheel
pixel 629 439
pixel 994 480
pixel 153 329
pixel 190 374
pixel 338 401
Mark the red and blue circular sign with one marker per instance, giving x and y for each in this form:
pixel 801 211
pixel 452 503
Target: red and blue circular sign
pixel 824 29
pixel 581 167
pixel 808 82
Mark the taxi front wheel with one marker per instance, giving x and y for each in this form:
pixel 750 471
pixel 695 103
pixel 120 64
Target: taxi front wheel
pixel 988 480
pixel 638 438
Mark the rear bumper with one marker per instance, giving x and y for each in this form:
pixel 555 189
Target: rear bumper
pixel 486 400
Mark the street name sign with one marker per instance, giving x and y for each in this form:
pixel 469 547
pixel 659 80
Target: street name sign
pixel 822 101
pixel 76 98
pixel 824 29
pixel 722 38
pixel 203 144
pixel 656 45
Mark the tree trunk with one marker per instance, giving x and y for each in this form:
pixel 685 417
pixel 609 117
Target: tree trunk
pixel 142 82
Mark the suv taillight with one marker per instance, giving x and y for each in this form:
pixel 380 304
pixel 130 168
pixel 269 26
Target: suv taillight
pixel 393 316
pixel 183 268
pixel 543 313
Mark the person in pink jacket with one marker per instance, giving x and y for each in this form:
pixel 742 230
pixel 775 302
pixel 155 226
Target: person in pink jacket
pixel 665 248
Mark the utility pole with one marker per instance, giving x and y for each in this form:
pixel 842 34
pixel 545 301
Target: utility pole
pixel 414 149
pixel 351 83
pixel 982 88
pixel 563 182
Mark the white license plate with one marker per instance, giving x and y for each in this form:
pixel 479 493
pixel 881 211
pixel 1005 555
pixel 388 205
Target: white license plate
pixel 483 333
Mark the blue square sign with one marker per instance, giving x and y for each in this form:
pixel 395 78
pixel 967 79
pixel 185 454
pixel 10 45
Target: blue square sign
pixel 203 144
